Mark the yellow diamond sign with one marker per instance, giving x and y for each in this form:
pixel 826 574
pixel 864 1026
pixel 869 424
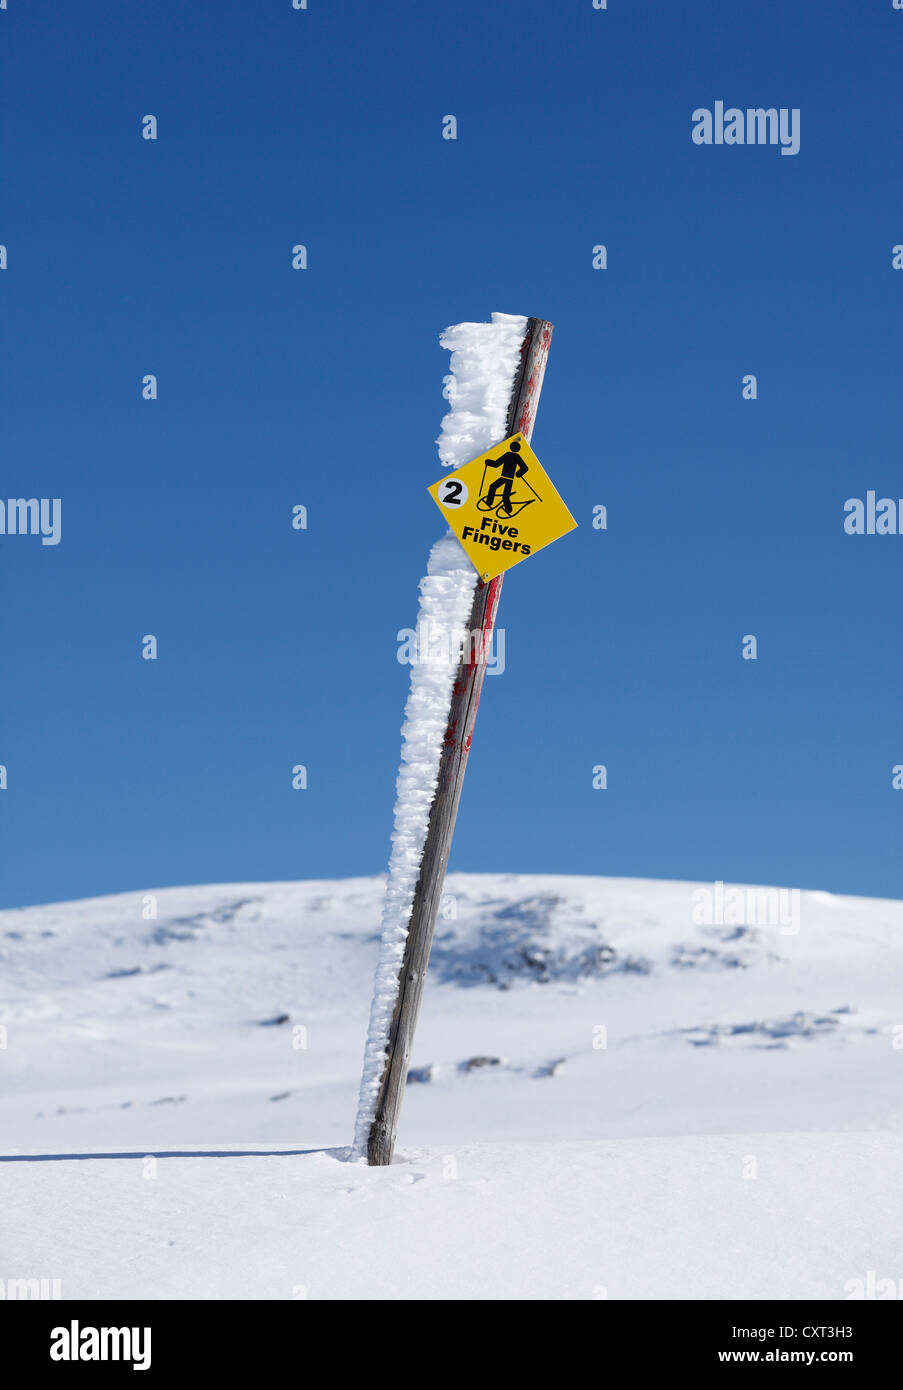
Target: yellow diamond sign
pixel 502 506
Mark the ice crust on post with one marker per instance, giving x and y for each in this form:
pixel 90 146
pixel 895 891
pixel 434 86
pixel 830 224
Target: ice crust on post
pixel 484 362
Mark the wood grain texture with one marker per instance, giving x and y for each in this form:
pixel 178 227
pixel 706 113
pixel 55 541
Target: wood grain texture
pixel 462 715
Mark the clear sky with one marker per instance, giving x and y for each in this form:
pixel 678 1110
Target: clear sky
pixel 279 387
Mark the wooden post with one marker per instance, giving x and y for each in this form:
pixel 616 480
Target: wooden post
pixel 462 714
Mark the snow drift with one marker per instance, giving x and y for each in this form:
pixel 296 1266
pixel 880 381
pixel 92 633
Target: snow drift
pixel 607 1095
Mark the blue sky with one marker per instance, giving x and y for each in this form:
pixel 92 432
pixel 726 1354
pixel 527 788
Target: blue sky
pixel 323 388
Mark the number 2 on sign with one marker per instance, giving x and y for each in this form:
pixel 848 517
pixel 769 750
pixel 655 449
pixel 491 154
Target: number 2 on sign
pixel 452 492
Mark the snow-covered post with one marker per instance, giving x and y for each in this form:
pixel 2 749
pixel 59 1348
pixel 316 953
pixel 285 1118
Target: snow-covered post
pixel 496 377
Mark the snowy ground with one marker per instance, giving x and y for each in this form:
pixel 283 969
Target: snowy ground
pixel 738 1135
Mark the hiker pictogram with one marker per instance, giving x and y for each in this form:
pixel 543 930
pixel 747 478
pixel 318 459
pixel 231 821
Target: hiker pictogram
pixel 500 496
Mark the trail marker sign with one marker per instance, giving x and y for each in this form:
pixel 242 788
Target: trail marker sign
pixel 502 507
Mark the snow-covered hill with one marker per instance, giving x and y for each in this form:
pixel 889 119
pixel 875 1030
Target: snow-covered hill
pixel 580 1039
